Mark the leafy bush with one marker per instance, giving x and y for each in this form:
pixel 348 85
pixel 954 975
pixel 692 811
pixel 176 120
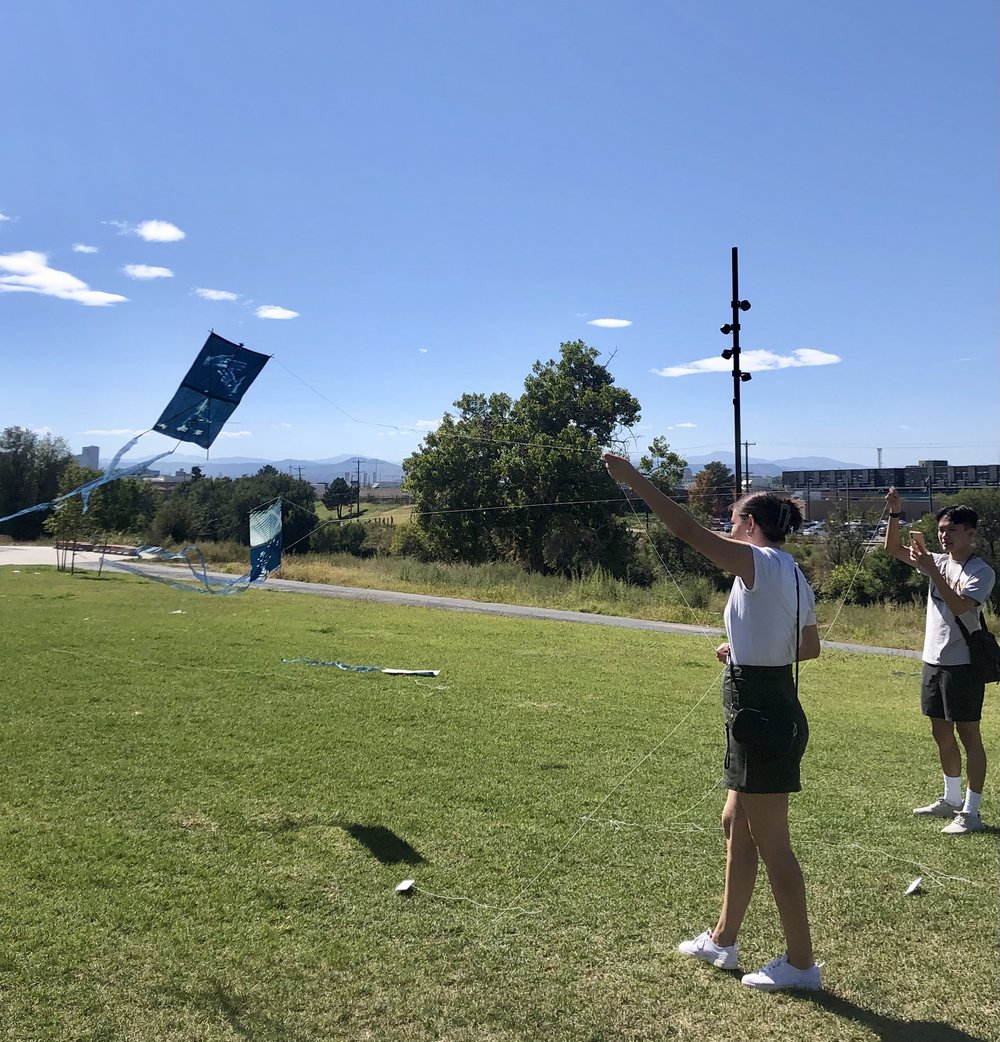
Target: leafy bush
pixel 879 577
pixel 333 539
pixel 412 541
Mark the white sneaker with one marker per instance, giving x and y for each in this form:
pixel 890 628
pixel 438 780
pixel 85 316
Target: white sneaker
pixel 778 975
pixel 704 948
pixel 940 808
pixel 965 821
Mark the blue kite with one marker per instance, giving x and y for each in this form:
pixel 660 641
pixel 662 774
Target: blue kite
pixel 213 387
pixel 222 373
pixel 265 557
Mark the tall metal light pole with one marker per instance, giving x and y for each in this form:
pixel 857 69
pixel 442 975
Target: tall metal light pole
pixel 734 353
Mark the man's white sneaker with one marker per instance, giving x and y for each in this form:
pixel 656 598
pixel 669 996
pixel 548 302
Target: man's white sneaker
pixel 965 821
pixel 940 808
pixel 703 947
pixel 778 975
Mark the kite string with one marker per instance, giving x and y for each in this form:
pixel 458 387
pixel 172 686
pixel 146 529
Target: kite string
pixel 659 744
pixel 443 434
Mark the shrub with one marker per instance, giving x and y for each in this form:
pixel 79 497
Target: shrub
pixel 412 541
pixel 334 539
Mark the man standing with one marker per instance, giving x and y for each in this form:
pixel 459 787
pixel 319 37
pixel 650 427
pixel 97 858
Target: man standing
pixel 960 583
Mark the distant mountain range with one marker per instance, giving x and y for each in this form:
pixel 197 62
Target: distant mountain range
pixel 318 470
pixel 372 470
pixel 773 468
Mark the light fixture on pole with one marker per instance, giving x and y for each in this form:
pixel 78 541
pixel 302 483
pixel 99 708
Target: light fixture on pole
pixel 738 376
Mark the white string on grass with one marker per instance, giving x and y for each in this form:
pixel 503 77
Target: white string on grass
pixel 924 870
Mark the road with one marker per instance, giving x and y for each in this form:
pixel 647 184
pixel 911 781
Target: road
pixel 29 556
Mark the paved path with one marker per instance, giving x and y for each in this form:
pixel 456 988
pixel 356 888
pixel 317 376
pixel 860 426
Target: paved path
pixel 26 556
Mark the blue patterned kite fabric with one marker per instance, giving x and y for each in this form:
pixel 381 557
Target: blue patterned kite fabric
pixel 265 541
pixel 222 373
pixel 365 669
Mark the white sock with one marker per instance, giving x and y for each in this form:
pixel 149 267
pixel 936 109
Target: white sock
pixel 972 801
pixel 953 789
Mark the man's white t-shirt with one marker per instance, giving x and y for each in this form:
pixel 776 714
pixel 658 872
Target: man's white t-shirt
pixel 944 644
pixel 760 622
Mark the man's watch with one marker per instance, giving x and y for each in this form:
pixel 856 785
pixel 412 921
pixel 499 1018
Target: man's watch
pixel 900 514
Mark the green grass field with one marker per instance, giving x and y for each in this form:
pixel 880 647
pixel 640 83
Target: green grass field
pixel 202 843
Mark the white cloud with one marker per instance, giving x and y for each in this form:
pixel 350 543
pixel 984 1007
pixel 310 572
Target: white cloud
pixel 151 231
pixel 116 432
pixel 159 231
pixel 273 311
pixel 29 272
pixel 216 294
pixel 82 247
pixel 682 426
pixel 4 217
pixel 752 362
pixel 147 271
pixel 236 434
pixel 610 323
pixel 422 350
pixel 427 425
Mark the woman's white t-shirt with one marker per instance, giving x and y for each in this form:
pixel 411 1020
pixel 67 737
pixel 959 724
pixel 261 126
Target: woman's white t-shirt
pixel 760 622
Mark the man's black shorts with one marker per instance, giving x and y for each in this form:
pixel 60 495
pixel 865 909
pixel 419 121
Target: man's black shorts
pixel 951 693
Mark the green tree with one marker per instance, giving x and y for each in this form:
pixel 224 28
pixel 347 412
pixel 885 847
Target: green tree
pixel 122 507
pixel 338 495
pixel 219 509
pixel 539 454
pixel 663 466
pixel 456 473
pixel 30 469
pixel 711 492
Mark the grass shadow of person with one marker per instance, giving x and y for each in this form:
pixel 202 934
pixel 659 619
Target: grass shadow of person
pixel 887 1028
pixel 383 844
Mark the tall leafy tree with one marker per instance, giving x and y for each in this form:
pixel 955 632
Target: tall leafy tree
pixel 662 465
pixel 338 495
pixel 711 492
pixel 539 454
pixel 457 475
pixel 219 508
pixel 122 507
pixel 30 469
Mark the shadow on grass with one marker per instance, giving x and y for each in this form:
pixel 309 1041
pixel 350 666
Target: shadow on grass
pixel 888 1029
pixel 383 844
pixel 242 1022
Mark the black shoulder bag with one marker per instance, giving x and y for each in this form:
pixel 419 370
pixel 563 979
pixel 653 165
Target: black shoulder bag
pixel 984 652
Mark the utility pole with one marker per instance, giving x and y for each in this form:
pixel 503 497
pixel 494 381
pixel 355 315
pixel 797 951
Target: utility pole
pixel 734 353
pixel 879 451
pixel 358 482
pixel 746 464
pixel 808 498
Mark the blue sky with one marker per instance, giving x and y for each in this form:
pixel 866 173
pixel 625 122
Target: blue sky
pixel 405 202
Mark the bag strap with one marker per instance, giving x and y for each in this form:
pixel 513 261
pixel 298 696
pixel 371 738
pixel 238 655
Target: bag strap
pixel 797 633
pixel 982 617
pixel 982 625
